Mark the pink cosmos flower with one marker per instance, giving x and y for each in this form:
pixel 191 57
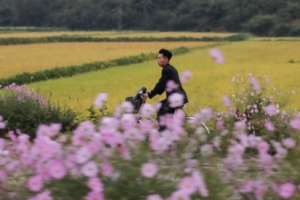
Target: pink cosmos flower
pixel 260 188
pixel 146 126
pixel 89 169
pixel 280 152
pixel 83 155
pixel 255 84
pixel 171 85
pixel 295 123
pixel 94 196
pixel 94 146
pixel 54 129
pixel 12 136
pixel 263 147
pixel 35 183
pixel 95 184
pixel 147 110
pixel 127 106
pixel 206 114
pixel 269 126
pixel 128 121
pixel 43 130
pixel 56 169
pixel 2 125
pixel 42 196
pixel 270 109
pixel 154 197
pixel 149 170
pixel 133 134
pixel 287 190
pixel 200 184
pixel 239 126
pixel 187 185
pixel 266 159
pixel 179 195
pixel 216 142
pixel 160 144
pixel 185 76
pixel 176 100
pixel 107 169
pixel 217 55
pixel 289 143
pixel 100 99
pixel 158 106
pixel 226 101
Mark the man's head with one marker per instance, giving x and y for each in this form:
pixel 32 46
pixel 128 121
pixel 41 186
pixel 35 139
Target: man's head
pixel 164 57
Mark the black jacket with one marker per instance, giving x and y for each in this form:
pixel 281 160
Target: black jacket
pixel 168 73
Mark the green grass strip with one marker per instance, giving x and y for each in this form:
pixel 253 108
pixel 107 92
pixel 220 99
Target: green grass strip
pixel 64 38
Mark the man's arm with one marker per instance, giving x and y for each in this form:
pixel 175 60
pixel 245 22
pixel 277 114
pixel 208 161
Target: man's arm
pixel 160 86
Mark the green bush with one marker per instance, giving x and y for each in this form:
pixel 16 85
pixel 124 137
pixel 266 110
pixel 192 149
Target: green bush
pixel 24 109
pixel 260 25
pixel 282 30
pixel 295 31
pixel 31 29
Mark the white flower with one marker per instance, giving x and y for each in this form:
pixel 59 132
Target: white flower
pixel 89 169
pixel 127 106
pixel 149 170
pixel 100 99
pixel 147 110
pixel 176 100
pixel 83 155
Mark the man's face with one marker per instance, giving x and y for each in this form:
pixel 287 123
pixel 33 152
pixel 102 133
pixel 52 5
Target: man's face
pixel 161 60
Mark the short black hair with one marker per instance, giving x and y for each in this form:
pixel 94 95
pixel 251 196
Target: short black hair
pixel 166 53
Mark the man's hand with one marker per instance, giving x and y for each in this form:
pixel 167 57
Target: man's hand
pixel 146 95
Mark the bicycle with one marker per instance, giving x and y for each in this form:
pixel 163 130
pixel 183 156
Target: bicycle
pixel 138 101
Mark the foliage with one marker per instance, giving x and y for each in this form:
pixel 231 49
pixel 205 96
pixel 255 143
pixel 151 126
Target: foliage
pixel 178 15
pixel 65 38
pixel 11 29
pixel 23 110
pixel 97 114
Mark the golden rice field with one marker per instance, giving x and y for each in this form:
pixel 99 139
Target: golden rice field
pixel 15 59
pixel 210 81
pixel 113 34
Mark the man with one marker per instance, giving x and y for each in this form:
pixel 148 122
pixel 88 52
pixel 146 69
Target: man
pixel 169 73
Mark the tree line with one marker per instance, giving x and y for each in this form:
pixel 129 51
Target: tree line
pixel 260 17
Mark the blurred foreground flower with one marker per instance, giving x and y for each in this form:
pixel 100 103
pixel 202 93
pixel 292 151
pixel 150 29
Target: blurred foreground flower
pixel 217 56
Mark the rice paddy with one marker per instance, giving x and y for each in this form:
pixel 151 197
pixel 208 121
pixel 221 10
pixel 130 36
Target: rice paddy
pixel 16 59
pixel 210 81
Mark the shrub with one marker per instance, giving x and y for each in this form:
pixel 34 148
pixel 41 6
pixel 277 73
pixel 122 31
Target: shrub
pixel 282 29
pixel 295 31
pixel 23 110
pixel 260 25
